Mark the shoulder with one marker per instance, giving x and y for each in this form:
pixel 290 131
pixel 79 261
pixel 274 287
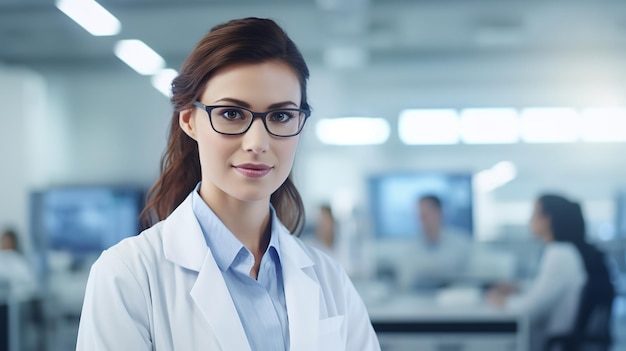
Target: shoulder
pixel 134 254
pixel 319 256
pixel 456 237
pixel 323 268
pixel 561 250
pixel 564 257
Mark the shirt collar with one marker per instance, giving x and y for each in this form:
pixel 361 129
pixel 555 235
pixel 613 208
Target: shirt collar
pixel 221 241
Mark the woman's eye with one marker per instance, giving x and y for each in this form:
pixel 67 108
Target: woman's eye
pixel 232 114
pixel 281 116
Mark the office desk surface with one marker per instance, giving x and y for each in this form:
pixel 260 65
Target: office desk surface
pixel 430 315
pixel 426 307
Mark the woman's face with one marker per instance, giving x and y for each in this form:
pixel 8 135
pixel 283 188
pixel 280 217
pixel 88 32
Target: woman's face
pixel 251 166
pixel 540 223
pixel 7 242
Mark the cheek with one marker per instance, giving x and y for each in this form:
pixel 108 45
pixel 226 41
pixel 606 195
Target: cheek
pixel 286 153
pixel 213 152
pixel 538 225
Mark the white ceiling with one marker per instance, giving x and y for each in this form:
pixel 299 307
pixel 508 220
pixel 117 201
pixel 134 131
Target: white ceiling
pixel 35 33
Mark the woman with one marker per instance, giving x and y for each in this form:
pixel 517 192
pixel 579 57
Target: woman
pixel 568 263
pixel 221 270
pixel 15 270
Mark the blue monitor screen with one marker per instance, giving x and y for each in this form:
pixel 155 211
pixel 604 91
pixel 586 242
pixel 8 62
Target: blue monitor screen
pixel 84 220
pixel 394 197
pixel 620 215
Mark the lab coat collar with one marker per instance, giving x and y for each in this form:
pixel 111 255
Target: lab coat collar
pixel 185 245
pixel 183 242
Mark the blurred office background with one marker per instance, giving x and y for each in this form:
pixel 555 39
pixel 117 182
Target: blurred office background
pixel 485 103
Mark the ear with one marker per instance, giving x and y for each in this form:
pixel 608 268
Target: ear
pixel 187 122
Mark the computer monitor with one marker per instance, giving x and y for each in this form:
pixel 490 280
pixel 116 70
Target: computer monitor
pixel 84 220
pixel 393 201
pixel 620 214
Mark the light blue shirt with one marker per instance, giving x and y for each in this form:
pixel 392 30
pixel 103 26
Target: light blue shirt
pixel 260 303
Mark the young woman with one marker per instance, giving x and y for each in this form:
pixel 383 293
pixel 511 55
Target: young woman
pixel 568 263
pixel 221 269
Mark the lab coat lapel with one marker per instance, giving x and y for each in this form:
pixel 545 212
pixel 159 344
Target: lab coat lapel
pixel 301 293
pixel 184 244
pixel 211 295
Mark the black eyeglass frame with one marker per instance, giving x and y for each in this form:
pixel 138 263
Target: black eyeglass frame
pixel 261 115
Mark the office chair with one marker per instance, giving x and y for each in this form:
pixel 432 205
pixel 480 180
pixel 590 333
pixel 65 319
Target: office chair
pixel 592 329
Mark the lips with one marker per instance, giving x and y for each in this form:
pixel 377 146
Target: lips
pixel 252 170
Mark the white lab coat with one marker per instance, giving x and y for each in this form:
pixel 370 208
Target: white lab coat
pixel 16 271
pixel 162 290
pixel 551 301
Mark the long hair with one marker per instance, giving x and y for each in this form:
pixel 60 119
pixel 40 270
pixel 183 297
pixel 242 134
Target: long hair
pixel 248 40
pixel 568 225
pixel 566 218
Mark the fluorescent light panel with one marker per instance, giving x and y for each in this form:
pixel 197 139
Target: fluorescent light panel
pixel 550 125
pixel 139 56
pixel 428 127
pixel 162 81
pixel 489 126
pixel 90 15
pixel 353 131
pixel 604 124
pixel 498 175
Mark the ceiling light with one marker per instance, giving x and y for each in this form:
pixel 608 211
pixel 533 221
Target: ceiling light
pixel 490 179
pixel 91 16
pixel 550 125
pixel 428 127
pixel 353 131
pixel 604 124
pixel 162 81
pixel 489 126
pixel 139 56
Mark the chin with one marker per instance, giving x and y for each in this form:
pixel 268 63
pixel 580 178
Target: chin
pixel 251 196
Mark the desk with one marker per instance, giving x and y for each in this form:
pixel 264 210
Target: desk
pixel 423 316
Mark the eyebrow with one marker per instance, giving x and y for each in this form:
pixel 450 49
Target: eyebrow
pixel 246 105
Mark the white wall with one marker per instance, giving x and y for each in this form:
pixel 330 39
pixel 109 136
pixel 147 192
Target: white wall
pixel 27 139
pixel 116 126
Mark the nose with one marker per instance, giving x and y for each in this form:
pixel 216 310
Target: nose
pixel 256 139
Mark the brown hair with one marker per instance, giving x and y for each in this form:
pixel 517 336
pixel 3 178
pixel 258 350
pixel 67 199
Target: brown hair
pixel 248 40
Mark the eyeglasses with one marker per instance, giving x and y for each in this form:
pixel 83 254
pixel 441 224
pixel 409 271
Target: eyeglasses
pixel 235 120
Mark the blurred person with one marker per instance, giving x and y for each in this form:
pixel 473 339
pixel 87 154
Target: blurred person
pixel 325 227
pixel 568 263
pixel 15 270
pixel 323 235
pixel 439 254
pixel 222 268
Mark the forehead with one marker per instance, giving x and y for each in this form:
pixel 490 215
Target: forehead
pixel 426 203
pixel 254 83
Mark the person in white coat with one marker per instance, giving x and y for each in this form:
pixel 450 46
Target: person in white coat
pixel 220 268
pixel 551 302
pixel 16 272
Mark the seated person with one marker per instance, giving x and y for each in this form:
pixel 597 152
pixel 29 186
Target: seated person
pixel 439 254
pixel 15 270
pixel 551 301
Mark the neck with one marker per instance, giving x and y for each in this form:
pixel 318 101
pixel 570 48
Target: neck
pixel 432 234
pixel 247 220
pixel 548 238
